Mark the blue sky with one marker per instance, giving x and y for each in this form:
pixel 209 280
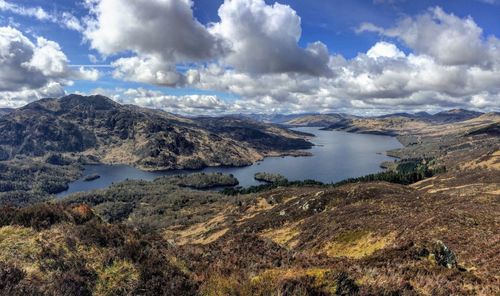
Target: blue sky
pixel 242 84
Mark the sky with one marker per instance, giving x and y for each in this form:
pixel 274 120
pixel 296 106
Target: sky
pixel 211 57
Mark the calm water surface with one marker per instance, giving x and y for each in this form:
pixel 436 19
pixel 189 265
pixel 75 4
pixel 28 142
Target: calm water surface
pixel 336 156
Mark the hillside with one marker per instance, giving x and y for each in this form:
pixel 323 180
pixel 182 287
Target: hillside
pixel 5 111
pixel 274 118
pixel 403 126
pixel 438 236
pixel 322 120
pixel 390 124
pixel 99 129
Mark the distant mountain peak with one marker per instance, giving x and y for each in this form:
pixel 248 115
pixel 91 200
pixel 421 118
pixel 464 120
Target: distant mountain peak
pixel 96 101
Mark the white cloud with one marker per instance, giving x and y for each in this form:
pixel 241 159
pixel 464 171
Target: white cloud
pixel 70 21
pixel 447 38
pixel 48 59
pixel 147 70
pixel 36 12
pixel 19 98
pixel 160 33
pixel 251 37
pixel 192 104
pixel 385 50
pixel 263 39
pixel 33 69
pixel 85 73
pixel 65 19
pixel 165 28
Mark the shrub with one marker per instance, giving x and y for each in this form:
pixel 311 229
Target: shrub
pixel 10 276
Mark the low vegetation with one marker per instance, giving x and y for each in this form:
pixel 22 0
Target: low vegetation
pixel 205 181
pixel 158 204
pixel 26 181
pixel 74 256
pixel 269 178
pixel 406 172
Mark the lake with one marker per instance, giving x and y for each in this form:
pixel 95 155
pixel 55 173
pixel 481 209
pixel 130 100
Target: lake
pixel 336 156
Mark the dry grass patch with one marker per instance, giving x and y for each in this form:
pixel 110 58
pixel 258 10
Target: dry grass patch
pixel 200 233
pixel 18 245
pixel 357 244
pixel 320 276
pixel 490 162
pixel 120 278
pixel 286 236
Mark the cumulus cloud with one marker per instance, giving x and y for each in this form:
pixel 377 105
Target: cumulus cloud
pixel 385 50
pixel 253 53
pixel 19 98
pixel 28 65
pixel 166 28
pixel 33 69
pixel 190 104
pixel 161 33
pixel 447 38
pixel 264 39
pixel 383 78
pixel 251 37
pixel 148 70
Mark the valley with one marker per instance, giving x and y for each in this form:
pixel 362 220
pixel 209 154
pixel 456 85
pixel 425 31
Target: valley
pixel 428 225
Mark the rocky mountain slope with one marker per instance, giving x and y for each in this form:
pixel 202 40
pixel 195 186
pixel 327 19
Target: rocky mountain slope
pixel 98 129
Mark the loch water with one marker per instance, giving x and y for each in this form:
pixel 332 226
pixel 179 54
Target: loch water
pixel 336 156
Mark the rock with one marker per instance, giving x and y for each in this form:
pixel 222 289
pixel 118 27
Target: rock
pixel 282 213
pixel 444 256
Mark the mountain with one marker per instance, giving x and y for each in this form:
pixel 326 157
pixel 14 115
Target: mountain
pixel 402 126
pixel 449 116
pixel 5 111
pixel 97 128
pixel 319 119
pixel 339 120
pixel 389 124
pixel 455 115
pixel 276 118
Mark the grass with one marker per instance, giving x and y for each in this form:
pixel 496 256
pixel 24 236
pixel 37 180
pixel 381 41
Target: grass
pixel 18 245
pixel 120 278
pixel 357 244
pixel 285 236
pixel 283 281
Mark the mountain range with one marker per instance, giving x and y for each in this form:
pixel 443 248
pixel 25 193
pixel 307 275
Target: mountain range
pixel 339 119
pixel 98 129
pixel 5 111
